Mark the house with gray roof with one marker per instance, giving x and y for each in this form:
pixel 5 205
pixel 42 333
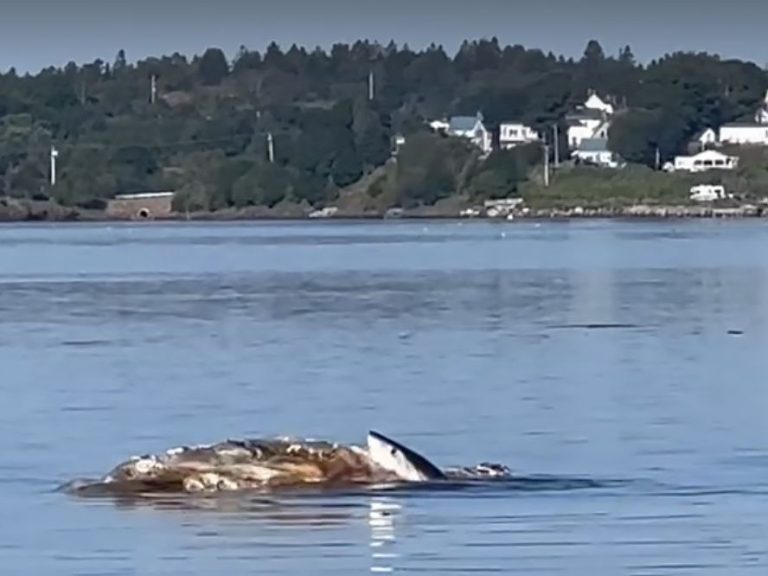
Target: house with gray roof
pixel 470 127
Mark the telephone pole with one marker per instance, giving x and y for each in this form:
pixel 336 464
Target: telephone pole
pixel 546 165
pixel 270 148
pixel 370 85
pixel 54 155
pixel 557 145
pixel 153 89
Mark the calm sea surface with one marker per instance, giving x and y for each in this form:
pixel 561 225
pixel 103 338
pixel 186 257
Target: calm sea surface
pixel 618 368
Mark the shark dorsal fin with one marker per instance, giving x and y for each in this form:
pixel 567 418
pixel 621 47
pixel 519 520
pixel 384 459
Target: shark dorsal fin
pixel 400 459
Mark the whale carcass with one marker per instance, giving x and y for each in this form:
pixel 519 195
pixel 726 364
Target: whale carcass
pixel 276 463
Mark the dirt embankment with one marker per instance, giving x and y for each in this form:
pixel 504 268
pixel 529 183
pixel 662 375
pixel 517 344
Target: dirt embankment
pixel 15 210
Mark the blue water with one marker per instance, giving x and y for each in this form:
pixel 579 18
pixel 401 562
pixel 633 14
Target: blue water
pixel 629 356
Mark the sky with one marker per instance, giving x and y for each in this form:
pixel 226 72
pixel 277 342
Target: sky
pixel 38 33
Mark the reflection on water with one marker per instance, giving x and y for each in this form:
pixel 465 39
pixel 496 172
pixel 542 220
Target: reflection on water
pixel 382 517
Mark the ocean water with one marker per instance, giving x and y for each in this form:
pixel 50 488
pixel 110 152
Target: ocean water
pixel 617 367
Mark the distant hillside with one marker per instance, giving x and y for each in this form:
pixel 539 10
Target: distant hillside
pixel 298 127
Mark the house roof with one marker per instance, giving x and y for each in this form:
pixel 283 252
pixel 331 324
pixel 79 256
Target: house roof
pixel 710 154
pixel 593 145
pixel 744 125
pixel 595 100
pixel 698 135
pixel 463 123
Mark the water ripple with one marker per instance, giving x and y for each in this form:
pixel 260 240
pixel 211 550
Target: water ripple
pixel 616 367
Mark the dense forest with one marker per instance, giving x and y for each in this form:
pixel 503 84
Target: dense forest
pixel 292 125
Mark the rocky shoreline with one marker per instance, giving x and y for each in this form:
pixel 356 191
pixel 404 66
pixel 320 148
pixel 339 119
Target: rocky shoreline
pixel 45 211
pixel 645 211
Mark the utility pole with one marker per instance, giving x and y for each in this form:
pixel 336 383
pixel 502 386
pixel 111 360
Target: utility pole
pixel 54 155
pixel 370 85
pixel 270 148
pixel 658 158
pixel 546 165
pixel 153 89
pixel 557 145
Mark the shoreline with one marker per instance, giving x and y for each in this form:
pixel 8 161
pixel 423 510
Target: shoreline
pixel 352 218
pixel 46 212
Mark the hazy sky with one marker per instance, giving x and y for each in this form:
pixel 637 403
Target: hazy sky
pixel 38 33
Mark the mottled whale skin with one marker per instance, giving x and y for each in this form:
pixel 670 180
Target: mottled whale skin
pixel 272 464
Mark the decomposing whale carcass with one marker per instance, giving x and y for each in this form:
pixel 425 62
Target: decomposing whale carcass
pixel 271 464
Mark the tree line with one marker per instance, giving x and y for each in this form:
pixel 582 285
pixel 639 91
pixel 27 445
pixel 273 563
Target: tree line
pixel 300 125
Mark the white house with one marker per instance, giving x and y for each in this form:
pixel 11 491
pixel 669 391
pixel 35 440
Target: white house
pixel 753 133
pixel 513 134
pixel 705 138
pixel 589 121
pixel 586 125
pixel 744 133
pixel 470 127
pixel 595 151
pixel 761 115
pixel 703 161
